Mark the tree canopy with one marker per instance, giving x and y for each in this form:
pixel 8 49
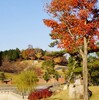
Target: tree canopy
pixel 73 20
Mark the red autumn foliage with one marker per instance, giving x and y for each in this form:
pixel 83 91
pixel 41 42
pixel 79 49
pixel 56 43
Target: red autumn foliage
pixel 75 21
pixel 39 94
pixel 28 54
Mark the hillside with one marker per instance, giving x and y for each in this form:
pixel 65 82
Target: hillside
pixel 18 66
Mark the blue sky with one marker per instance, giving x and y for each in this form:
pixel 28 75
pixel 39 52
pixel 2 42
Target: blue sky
pixel 21 24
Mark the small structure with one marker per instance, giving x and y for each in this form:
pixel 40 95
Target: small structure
pixel 7 81
pixel 76 89
pixel 72 91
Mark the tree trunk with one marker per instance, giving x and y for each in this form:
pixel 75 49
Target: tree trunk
pixel 85 69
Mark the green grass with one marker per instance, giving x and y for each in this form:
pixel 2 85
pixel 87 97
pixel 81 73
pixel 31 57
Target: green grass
pixel 63 95
pixel 60 96
pixel 95 91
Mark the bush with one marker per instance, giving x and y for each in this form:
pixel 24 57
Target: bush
pixel 26 81
pixel 39 94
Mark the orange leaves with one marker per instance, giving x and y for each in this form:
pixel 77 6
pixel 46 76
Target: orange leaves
pixel 89 4
pixel 73 22
pixel 50 23
pixel 58 5
pixel 92 44
pixel 74 3
pixel 61 5
pixel 27 53
pixel 83 13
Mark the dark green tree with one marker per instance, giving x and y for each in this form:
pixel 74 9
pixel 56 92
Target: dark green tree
pixel 46 76
pixel 93 68
pixel 48 66
pixel 11 55
pixel 74 67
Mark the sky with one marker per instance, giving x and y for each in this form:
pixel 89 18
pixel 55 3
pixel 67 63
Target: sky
pixel 21 24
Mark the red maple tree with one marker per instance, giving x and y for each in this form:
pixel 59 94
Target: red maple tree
pixel 75 25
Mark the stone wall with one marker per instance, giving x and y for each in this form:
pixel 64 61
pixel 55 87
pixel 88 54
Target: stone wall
pixel 76 89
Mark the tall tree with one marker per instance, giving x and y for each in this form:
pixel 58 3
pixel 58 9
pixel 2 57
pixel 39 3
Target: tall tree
pixel 75 25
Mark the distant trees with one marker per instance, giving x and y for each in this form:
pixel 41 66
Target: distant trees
pixel 0 58
pixel 57 56
pixel 55 53
pixel 31 53
pixel 10 55
pixel 28 54
pixel 39 53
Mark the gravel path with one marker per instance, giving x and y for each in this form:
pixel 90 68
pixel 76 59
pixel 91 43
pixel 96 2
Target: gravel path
pixel 10 96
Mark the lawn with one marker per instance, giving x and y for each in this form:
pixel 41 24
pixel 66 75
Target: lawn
pixel 95 91
pixel 63 95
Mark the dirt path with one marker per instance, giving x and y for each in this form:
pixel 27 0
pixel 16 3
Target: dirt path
pixel 10 96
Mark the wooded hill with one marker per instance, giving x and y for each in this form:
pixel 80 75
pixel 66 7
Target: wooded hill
pixel 48 63
pixel 14 60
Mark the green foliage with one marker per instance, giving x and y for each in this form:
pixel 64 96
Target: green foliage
pixel 75 61
pixel 0 58
pixel 74 67
pixel 2 76
pixel 46 76
pixel 53 43
pixel 65 73
pixel 11 55
pixel 93 68
pixel 94 74
pixel 78 70
pixel 91 59
pixel 56 75
pixel 48 66
pixel 26 81
pixel 29 53
pixel 97 53
pixel 38 53
pixel 55 53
